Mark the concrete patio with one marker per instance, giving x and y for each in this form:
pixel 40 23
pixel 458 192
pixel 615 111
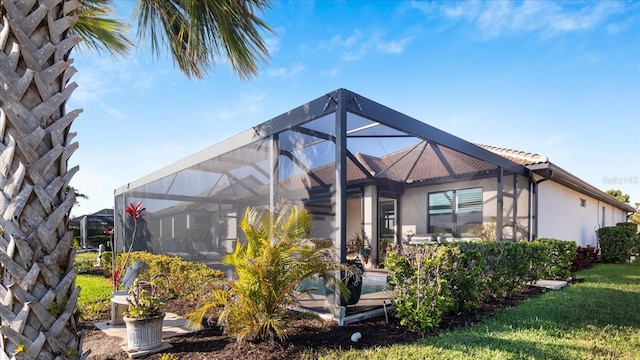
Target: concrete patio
pixel 173 325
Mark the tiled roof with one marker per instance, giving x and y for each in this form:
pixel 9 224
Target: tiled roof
pixel 414 164
pixel 421 163
pixel 519 157
pixel 557 174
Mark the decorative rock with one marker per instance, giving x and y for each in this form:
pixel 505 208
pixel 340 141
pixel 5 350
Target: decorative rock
pixel 356 336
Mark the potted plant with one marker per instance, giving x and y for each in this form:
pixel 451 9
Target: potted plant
pixel 356 242
pixel 143 317
pixel 353 282
pixel 365 253
pixel 360 244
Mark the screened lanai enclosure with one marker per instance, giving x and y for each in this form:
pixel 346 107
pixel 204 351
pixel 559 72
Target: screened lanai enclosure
pixel 359 167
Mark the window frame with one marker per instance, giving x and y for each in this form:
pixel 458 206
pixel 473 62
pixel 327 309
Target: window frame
pixel 455 209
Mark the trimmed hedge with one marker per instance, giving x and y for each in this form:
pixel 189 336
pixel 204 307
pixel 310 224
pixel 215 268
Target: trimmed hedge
pixel 431 281
pixel 617 242
pixel 184 279
pixel 561 254
pixel 635 246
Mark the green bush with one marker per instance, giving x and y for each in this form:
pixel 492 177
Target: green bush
pixel 635 247
pixel 421 294
pixel 430 281
pixel 463 272
pixel 616 243
pixel 176 271
pixel 514 269
pixel 559 256
pixel 508 266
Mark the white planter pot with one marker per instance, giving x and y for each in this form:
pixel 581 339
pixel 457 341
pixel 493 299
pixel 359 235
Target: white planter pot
pixel 144 334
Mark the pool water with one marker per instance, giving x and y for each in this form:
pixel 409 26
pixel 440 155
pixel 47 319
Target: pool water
pixel 370 284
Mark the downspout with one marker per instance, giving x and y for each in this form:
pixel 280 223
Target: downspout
pixel 533 196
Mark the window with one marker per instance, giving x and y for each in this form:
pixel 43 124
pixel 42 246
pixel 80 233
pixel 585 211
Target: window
pixel 604 217
pixel 454 211
pixel 387 219
pixel 583 202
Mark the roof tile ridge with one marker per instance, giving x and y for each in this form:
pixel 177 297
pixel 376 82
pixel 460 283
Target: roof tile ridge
pixel 519 154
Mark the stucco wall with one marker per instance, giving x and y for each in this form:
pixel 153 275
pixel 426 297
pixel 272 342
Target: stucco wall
pixel 354 217
pixel 561 215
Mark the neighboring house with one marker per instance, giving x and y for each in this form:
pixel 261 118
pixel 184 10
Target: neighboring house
pixel 360 167
pixel 91 227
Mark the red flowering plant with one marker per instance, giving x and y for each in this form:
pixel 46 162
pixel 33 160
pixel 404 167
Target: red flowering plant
pixel 135 212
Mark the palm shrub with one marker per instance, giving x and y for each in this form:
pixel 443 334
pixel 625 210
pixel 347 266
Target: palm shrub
pixel 276 257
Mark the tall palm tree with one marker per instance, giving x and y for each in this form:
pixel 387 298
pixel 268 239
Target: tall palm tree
pixel 37 292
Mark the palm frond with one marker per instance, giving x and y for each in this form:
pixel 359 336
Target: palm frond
pixel 201 33
pixel 100 30
pixel 269 266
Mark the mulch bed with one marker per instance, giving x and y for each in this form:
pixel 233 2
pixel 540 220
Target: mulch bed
pixel 303 334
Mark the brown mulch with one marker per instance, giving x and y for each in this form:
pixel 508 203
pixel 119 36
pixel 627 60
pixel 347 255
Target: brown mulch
pixel 303 334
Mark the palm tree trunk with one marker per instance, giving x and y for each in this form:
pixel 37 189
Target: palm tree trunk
pixel 38 293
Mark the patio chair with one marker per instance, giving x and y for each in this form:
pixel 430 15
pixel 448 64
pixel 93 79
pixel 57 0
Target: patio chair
pixel 204 253
pixel 168 247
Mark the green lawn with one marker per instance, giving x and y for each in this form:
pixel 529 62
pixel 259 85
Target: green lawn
pixel 94 295
pixel 596 319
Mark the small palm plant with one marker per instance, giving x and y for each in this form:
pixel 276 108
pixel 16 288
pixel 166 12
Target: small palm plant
pixel 268 268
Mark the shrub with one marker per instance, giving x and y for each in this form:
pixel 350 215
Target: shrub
pixel 635 246
pixel 83 266
pixel 463 272
pixel 508 266
pixel 201 277
pixel 430 281
pixel 559 256
pixel 421 292
pixel 616 243
pixel 585 258
pixel 175 269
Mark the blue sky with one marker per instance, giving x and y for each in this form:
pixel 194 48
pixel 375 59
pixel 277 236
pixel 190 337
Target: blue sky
pixel 560 79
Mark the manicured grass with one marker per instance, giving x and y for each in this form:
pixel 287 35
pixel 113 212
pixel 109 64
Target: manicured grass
pixel 94 295
pixel 596 319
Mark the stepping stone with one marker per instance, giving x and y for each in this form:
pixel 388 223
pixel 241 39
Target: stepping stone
pixel 551 284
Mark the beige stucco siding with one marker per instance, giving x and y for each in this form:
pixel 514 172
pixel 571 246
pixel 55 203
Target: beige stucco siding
pixel 354 217
pixel 562 216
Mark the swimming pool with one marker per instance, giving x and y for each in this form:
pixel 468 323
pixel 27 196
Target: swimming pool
pixel 370 284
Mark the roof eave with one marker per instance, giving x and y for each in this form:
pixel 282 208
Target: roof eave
pixel 563 177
